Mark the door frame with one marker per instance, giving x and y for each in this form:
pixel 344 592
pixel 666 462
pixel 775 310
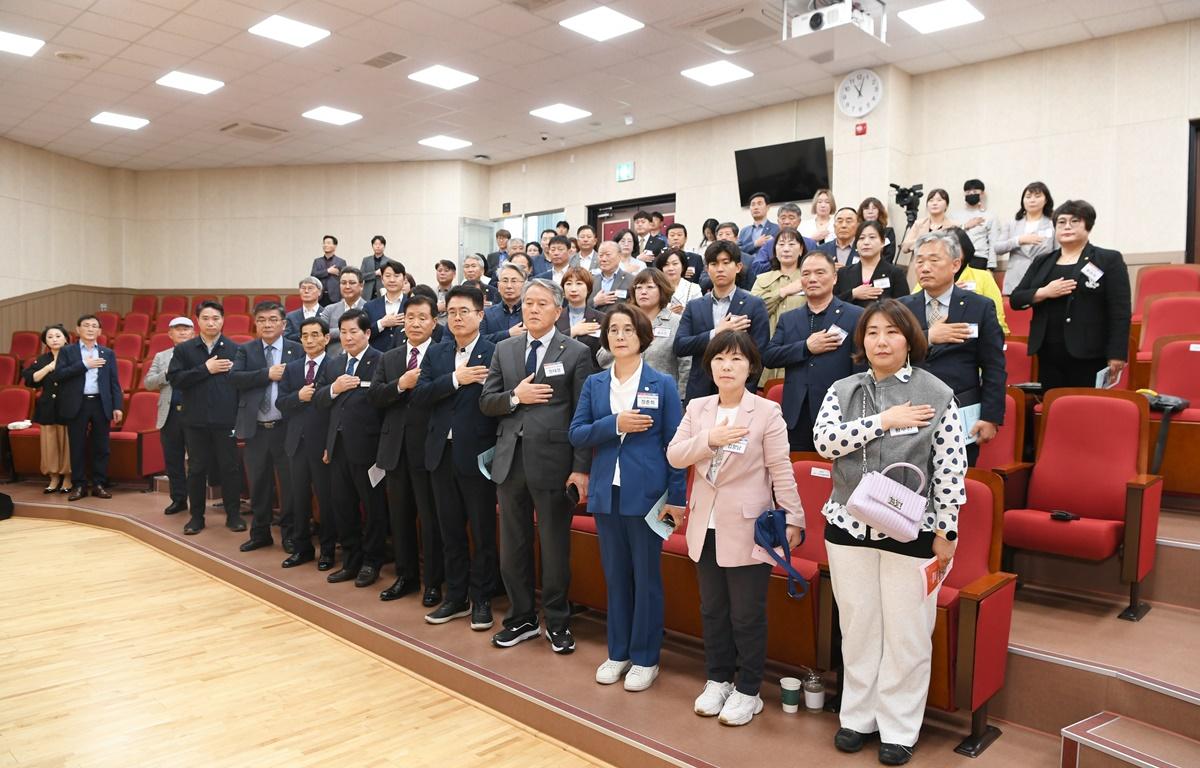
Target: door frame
pixel 1192 247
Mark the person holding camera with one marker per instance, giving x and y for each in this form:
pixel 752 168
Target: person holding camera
pixel 626 417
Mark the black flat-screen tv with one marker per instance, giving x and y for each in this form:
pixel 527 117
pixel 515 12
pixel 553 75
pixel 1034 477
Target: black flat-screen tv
pixel 794 170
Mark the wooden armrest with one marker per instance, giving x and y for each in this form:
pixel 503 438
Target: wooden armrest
pixel 1143 481
pixel 1014 468
pixel 985 585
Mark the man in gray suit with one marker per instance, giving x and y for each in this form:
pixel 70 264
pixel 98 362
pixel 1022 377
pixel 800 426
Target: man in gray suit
pixel 533 386
pixel 170 421
pixel 611 283
pixel 350 283
pixel 372 268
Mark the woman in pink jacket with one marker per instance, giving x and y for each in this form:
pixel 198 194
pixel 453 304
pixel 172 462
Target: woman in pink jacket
pixel 737 444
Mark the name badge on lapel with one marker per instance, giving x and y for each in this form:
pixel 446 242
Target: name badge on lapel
pixel 621 293
pixel 738 447
pixel 840 332
pixel 554 369
pixel 1093 274
pixel 662 332
pixel 972 330
pixel 647 400
pixel 882 282
pixel 902 431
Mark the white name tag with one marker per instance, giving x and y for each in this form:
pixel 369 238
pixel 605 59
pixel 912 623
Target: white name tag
pixel 1193 347
pixel 596 271
pixel 554 369
pixel 738 447
pixel 969 285
pixel 840 332
pixel 819 472
pixel 621 293
pixel 647 400
pixel 902 431
pixel 882 282
pixel 364 383
pixel 595 333
pixel 662 332
pixel 1092 272
pixel 972 330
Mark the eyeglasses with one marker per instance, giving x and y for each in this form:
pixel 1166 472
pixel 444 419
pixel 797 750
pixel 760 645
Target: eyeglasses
pixel 460 312
pixel 1073 221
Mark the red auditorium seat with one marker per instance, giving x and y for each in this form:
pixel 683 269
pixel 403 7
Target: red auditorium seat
pixel 775 392
pixel 26 446
pixel 240 338
pixel 292 302
pixel 162 323
pixel 199 299
pixel 260 298
pixel 15 405
pixel 1018 319
pixel 157 343
pixel 175 305
pixel 236 324
pixel 235 304
pixel 1164 278
pixel 145 303
pixel 136 322
pixel 109 322
pixel 796 621
pixel 1176 371
pixel 25 345
pixel 10 369
pixel 125 370
pixel 1019 366
pixel 1167 314
pixel 1106 486
pixel 136 450
pixel 128 346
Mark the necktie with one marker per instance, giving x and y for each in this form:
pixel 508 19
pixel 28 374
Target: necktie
pixel 531 359
pixel 264 408
pixel 351 365
pixel 933 312
pixel 311 376
pixel 412 358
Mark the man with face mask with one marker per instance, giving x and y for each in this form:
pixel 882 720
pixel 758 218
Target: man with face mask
pixel 979 223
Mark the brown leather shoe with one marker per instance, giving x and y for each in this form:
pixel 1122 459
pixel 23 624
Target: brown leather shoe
pixel 77 493
pixel 101 492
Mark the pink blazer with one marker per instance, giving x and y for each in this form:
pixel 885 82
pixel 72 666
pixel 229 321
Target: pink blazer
pixel 745 482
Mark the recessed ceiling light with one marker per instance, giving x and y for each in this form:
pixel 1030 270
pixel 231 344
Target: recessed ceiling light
pixel 601 24
pixel 946 14
pixel 717 73
pixel 120 121
pixel 332 115
pixel 447 143
pixel 560 113
pixel 289 31
pixel 19 44
pixel 185 82
pixel 442 77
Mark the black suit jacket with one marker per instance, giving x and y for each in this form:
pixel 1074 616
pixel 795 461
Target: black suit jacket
pixel 307 425
pixel 250 378
pixel 848 278
pixel 292 321
pixel 209 399
pixel 404 427
pixel 70 373
pixel 974 369
pixel 45 408
pixel 1097 318
pixel 320 270
pixel 451 408
pixel 351 413
pixel 591 315
pixel 697 323
pixel 830 247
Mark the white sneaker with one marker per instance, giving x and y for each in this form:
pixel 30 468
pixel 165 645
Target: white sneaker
pixel 712 700
pixel 610 671
pixel 739 709
pixel 640 678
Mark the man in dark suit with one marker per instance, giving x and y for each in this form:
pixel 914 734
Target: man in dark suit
pixel 451 381
pixel 200 369
pixel 500 255
pixel 307 427
pixel 841 248
pixel 532 387
pixel 560 259
pixel 473 269
pixel 725 308
pixel 727 231
pixel 761 229
pixel 257 370
pixel 351 443
pixel 372 268
pixel 648 245
pixel 328 269
pixel 966 345
pixel 503 320
pixel 402 455
pixel 310 306
pixel 611 283
pixel 813 345
pixel 89 400
pixel 386 311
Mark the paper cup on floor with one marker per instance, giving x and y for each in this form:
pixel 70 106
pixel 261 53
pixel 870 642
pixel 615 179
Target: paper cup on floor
pixel 790 687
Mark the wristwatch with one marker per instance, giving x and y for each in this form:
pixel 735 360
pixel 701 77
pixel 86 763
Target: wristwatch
pixel 513 401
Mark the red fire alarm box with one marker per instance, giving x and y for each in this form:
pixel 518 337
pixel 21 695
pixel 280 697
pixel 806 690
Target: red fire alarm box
pixel 860 129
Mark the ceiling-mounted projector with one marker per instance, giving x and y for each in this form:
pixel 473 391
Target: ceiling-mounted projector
pixel 828 14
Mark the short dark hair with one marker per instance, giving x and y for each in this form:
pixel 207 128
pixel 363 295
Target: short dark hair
pixel 269 306
pixel 940 193
pixel 723 246
pixel 641 326
pixel 561 240
pixel 790 233
pixel 973 184
pixel 873 202
pixel 1035 186
pixel 469 292
pixel 901 317
pixel 90 316
pixel 766 198
pixel 818 253
pixel 1080 208
pixel 580 274
pixel 660 260
pixel 652 275
pixel 587 227
pixel 450 265
pixel 379 238
pixel 393 265
pixel 503 233
pixel 550 232
pixel 210 304
pixel 656 215
pixel 55 327
pixel 533 244
pixel 317 321
pixel 677 225
pixel 641 215
pixel 360 318
pixel 727 225
pixel 417 298
pixel 865 225
pixel 563 223
pixel 845 208
pixel 351 271
pixel 329 237
pixel 734 341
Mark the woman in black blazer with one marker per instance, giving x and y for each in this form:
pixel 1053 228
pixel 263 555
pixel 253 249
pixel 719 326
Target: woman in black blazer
pixel 1081 304
pixel 56 456
pixel 578 320
pixel 871 209
pixel 871 278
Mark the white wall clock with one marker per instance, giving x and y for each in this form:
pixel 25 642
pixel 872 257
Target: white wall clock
pixel 860 92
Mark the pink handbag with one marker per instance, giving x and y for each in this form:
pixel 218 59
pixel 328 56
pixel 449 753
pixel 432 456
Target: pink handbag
pixel 888 506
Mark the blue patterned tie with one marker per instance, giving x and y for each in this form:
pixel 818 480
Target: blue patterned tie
pixel 531 359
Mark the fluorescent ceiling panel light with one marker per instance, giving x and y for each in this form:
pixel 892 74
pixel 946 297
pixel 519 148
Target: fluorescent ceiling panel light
pixel 332 115
pixel 289 31
pixel 601 24
pixel 717 73
pixel 946 14
pixel 185 82
pixel 560 113
pixel 442 77
pixel 120 121
pixel 19 44
pixel 447 143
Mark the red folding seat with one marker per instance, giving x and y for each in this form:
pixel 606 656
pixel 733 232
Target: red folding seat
pixel 15 405
pixel 175 305
pixel 1163 278
pixel 292 302
pixel 237 324
pixel 10 369
pixel 775 393
pixel 145 303
pixel 125 374
pixel 109 322
pixel 1008 445
pixel 200 299
pixel 235 304
pixel 136 452
pixel 239 338
pixel 128 346
pixel 260 298
pixel 136 322
pixel 157 343
pixel 25 345
pixel 1176 371
pixel 1018 319
pixel 1167 314
pixel 1019 367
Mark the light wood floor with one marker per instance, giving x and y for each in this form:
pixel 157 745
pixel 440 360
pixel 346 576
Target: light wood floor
pixel 112 653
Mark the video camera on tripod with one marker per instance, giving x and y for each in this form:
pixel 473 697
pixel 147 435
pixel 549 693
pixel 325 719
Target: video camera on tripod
pixel 908 198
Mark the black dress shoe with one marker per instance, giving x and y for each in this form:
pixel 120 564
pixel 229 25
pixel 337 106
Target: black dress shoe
pixel 367 575
pixel 344 573
pixel 175 507
pixel 325 562
pixel 432 596
pixel 100 492
pixel 448 611
pixel 193 527
pixel 895 754
pixel 253 544
pixel 235 524
pixel 289 546
pixel 847 740
pixel 481 616
pixel 401 587
pixel 77 493
pixel 298 558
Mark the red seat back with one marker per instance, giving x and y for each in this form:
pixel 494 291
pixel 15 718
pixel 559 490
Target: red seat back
pixel 136 322
pixel 125 373
pixel 109 322
pixel 1018 319
pixel 175 305
pixel 14 404
pixel 1176 369
pixel 141 412
pixel 9 370
pixel 260 298
pixel 775 392
pixel 1165 278
pixel 25 345
pixel 236 304
pixel 1018 365
pixel 979 525
pixel 1169 315
pixel 236 324
pixel 814 482
pixel 1091 443
pixel 292 303
pixel 199 299
pixel 162 323
pixel 146 304
pixel 128 345
pixel 1006 447
pixel 240 338
pixel 158 342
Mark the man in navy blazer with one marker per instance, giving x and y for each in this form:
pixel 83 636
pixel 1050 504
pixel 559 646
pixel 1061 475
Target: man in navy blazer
pixel 386 310
pixel 813 345
pixel 351 444
pixel 451 380
pixel 841 247
pixel 310 306
pixel 725 308
pixel 760 229
pixel 89 395
pixel 500 319
pixel 966 344
pixel 304 442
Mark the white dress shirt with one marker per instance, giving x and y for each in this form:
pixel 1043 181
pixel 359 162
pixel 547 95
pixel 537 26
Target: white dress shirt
pixel 461 356
pixel 621 397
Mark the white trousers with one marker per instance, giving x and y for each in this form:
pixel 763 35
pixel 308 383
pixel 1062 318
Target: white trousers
pixel 887 627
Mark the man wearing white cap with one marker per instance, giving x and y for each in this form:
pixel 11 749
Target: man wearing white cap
pixel 169 421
